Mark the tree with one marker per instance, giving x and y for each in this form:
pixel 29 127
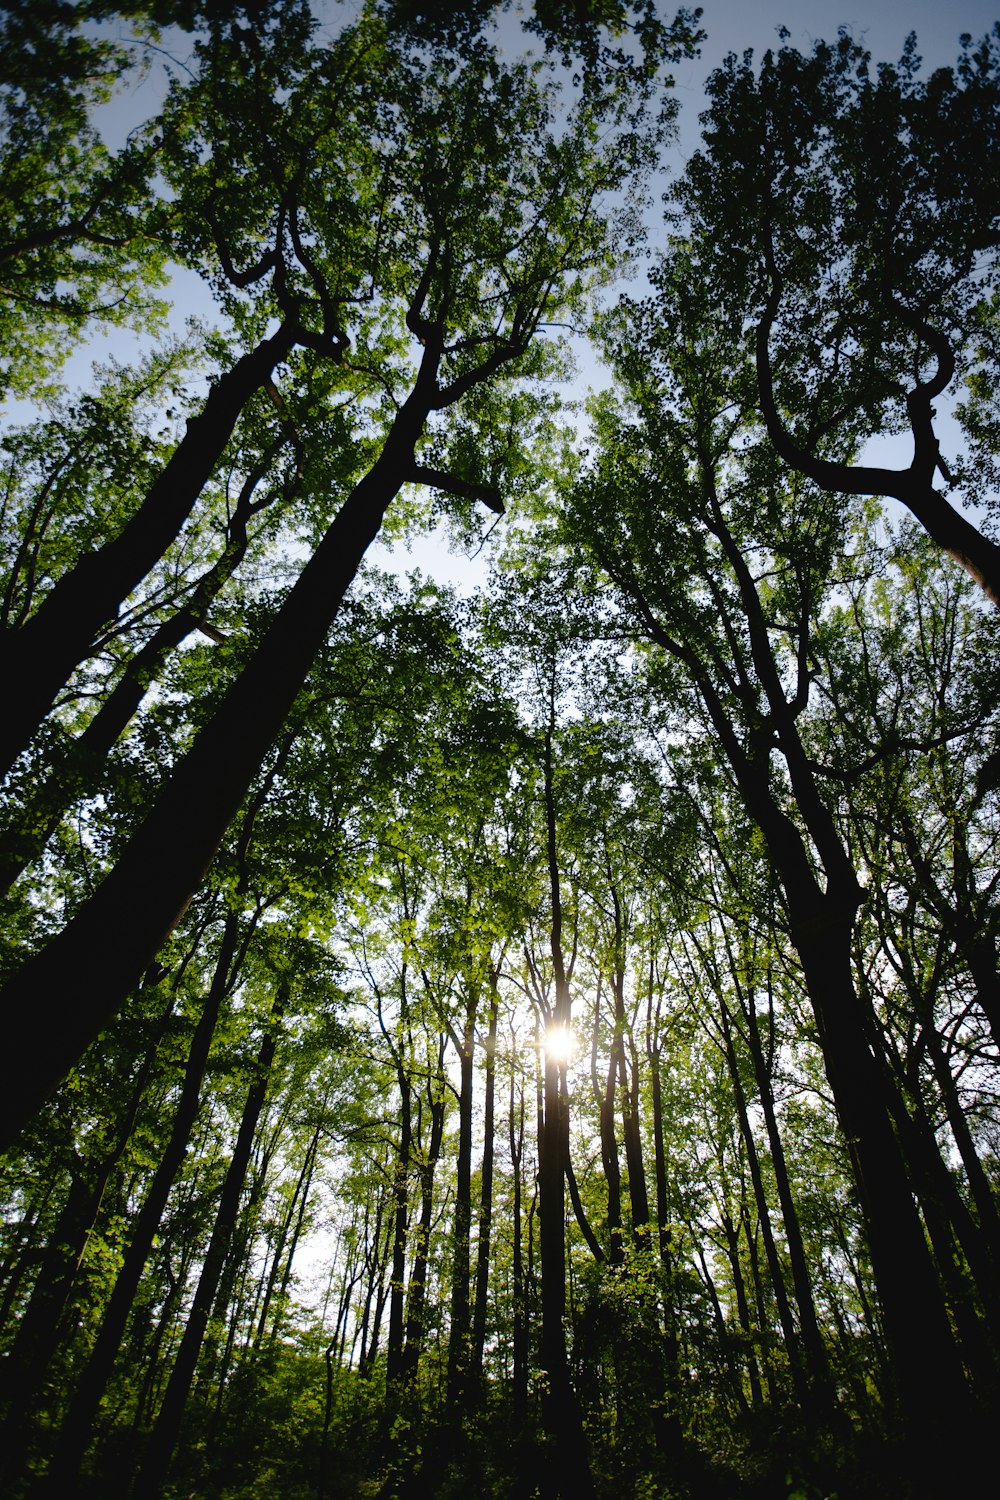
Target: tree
pixel 739 577
pixel 855 227
pixel 473 308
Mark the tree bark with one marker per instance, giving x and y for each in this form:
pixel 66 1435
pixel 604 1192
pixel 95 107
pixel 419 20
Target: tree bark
pixel 459 1351
pixel 814 1350
pixel 90 967
pixel 485 1193
pixel 568 1472
pixel 156 1461
pixel 37 660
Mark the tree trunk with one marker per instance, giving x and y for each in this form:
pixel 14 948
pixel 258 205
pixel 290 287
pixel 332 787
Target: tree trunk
pixel 75 1432
pixel 37 660
pixel 459 1352
pixel 568 1473
pixel 813 1348
pixel 609 1141
pixel 163 1438
pixel 519 1332
pixel 400 1198
pixel 416 1298
pixel 743 1307
pixel 485 1195
pixel 24 839
pixel 788 1329
pixel 38 1336
pixel 925 1365
pixel 90 967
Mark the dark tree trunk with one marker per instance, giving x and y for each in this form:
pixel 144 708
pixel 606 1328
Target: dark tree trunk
pixel 788 1329
pixel 75 1433
pixel 609 1142
pixel 400 1198
pixel 24 839
pixel 638 1196
pixel 76 1428
pixel 926 1370
pixel 90 967
pixel 163 1437
pixel 742 1307
pixel 34 1348
pixel 416 1296
pixel 734 1379
pixel 485 1194
pixel 813 1348
pixel 23 1252
pixel 285 1248
pixel 568 1471
pixel 38 659
pixel 519 1332
pixel 459 1351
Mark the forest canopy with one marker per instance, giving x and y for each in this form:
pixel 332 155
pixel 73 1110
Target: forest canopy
pixel 530 1039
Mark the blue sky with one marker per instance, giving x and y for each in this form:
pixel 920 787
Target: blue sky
pixel 731 26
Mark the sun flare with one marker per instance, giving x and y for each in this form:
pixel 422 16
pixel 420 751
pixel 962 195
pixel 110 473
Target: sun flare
pixel 559 1043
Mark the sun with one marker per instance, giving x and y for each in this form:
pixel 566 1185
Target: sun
pixel 558 1043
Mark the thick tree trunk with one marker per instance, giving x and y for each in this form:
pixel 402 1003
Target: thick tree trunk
pixel 926 1369
pixel 37 660
pixel 90 967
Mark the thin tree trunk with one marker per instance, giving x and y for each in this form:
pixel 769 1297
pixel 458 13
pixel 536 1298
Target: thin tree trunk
pixel 397 1280
pixel 569 1475
pixel 459 1350
pixel 416 1299
pixel 742 1307
pixel 24 839
pixel 788 1329
pixel 813 1347
pixel 38 1336
pixel 163 1438
pixel 519 1332
pixel 485 1194
pixel 609 1140
pixel 75 1432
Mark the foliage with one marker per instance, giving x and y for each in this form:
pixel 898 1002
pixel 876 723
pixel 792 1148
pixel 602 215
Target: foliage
pixel 705 775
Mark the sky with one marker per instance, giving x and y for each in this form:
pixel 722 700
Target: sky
pixel 731 26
